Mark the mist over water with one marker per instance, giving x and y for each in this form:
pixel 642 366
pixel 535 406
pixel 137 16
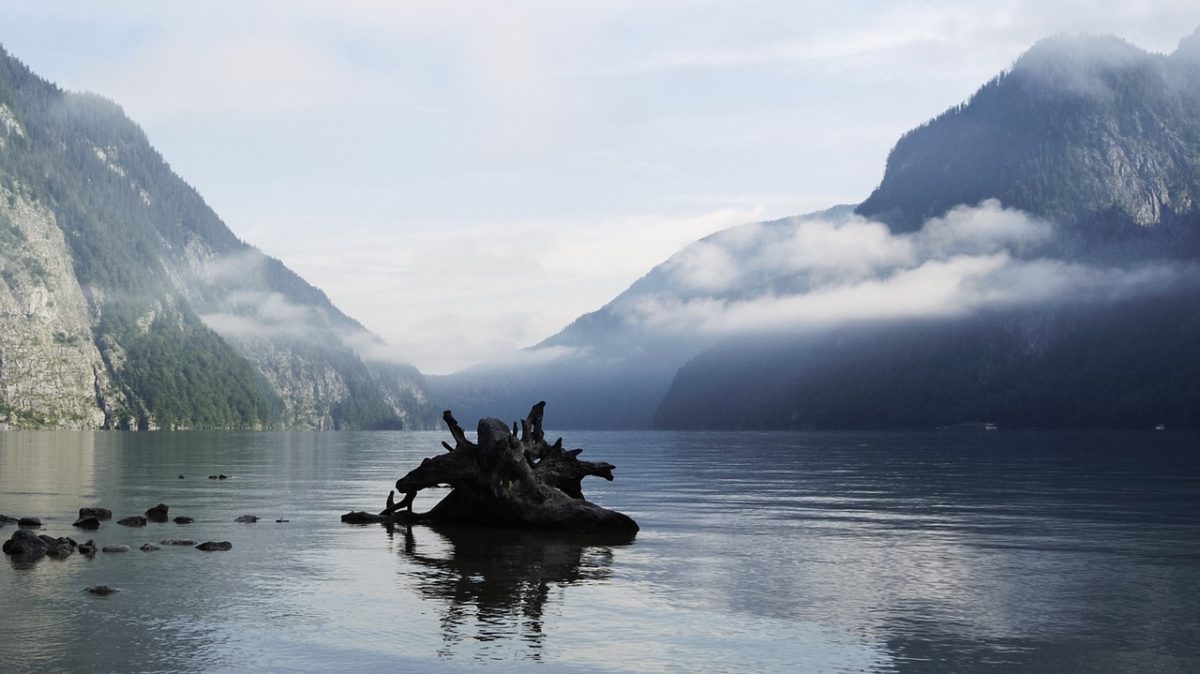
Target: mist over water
pixel 758 552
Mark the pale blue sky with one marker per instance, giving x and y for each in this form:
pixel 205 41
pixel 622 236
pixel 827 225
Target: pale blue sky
pixel 467 177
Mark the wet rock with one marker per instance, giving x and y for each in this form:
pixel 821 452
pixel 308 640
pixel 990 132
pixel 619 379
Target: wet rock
pixel 88 549
pixel 158 513
pixel 115 548
pixel 149 547
pixel 93 511
pixel 133 521
pixel 178 541
pixel 180 476
pixel 29 523
pixel 247 519
pixel 101 590
pixel 61 548
pixel 364 517
pixel 281 520
pixel 218 477
pixel 184 520
pixel 5 519
pixel 89 522
pixel 212 546
pixel 25 545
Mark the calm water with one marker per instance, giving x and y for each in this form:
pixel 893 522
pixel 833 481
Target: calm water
pixel 758 552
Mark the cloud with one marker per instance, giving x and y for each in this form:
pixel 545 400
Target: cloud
pixel 449 298
pixel 815 273
pixel 245 304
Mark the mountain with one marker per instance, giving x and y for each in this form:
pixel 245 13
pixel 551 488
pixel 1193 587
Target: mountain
pixel 1090 132
pixel 125 302
pixel 1029 258
pixel 1099 141
pixel 611 367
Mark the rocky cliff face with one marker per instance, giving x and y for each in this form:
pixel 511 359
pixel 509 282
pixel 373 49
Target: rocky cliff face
pixel 126 302
pixel 51 373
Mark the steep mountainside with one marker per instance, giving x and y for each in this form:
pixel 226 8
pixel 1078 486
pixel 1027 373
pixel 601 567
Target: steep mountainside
pixel 1094 137
pixel 1092 133
pixel 127 303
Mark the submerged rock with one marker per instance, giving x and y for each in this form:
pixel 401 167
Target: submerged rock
pixel 247 519
pixel 184 520
pixel 364 517
pixel 281 520
pixel 93 511
pixel 149 547
pixel 158 513
pixel 89 522
pixel 115 548
pixel 180 476
pixel 29 523
pixel 101 590
pixel 133 521
pixel 213 546
pixel 61 548
pixel 25 545
pixel 178 541
pixel 5 519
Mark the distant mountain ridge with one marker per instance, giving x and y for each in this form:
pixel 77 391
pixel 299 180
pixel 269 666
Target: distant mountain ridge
pixel 125 302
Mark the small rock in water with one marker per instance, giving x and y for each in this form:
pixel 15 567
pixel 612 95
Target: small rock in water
pixel 158 513
pixel 101 590
pixel 133 521
pixel 212 477
pixel 115 548
pixel 178 541
pixel 29 523
pixel 184 520
pixel 89 522
pixel 5 519
pixel 247 519
pixel 61 549
pixel 180 476
pixel 149 547
pixel 222 477
pixel 363 517
pixel 88 548
pixel 281 520
pixel 25 545
pixel 98 513
pixel 211 546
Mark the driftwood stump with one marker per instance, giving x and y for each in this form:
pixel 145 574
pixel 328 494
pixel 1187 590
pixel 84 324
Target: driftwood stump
pixel 505 481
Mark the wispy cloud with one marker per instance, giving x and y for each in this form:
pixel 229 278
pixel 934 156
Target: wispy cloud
pixel 815 273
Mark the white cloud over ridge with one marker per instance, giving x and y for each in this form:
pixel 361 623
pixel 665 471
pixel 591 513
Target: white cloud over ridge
pixel 820 272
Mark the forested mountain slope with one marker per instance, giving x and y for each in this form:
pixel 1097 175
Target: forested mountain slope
pixel 125 302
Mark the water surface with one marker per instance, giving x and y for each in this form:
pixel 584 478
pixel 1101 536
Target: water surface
pixel 877 552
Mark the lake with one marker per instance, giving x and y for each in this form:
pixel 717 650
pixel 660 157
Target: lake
pixel 838 552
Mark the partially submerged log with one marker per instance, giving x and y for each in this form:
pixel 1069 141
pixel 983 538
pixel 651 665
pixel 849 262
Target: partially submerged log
pixel 502 480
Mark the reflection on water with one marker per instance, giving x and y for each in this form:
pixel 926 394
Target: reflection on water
pixel 842 552
pixel 496 584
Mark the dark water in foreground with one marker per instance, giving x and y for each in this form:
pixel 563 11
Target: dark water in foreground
pixel 870 552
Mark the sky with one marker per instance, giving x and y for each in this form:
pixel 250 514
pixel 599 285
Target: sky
pixel 466 178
